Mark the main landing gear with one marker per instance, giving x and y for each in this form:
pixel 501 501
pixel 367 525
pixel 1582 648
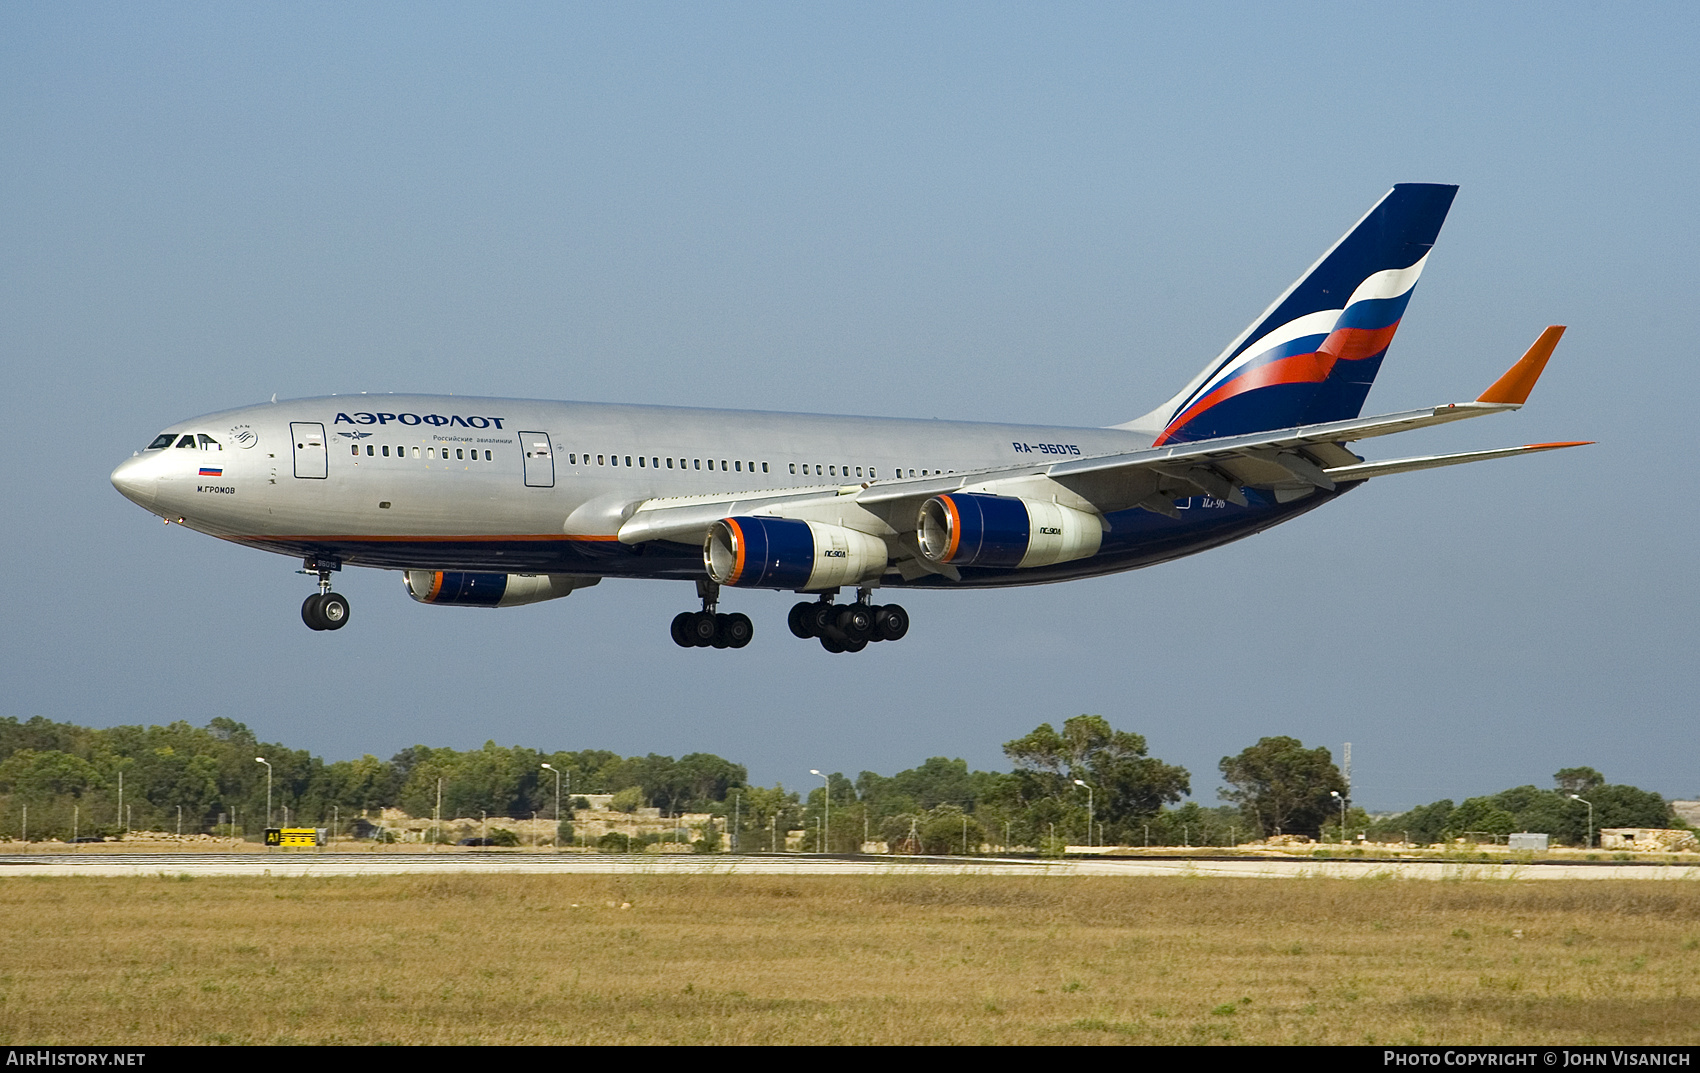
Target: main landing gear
pixel 324 610
pixel 709 629
pixel 850 628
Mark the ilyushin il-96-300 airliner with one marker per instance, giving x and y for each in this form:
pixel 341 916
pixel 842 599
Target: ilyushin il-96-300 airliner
pixel 498 502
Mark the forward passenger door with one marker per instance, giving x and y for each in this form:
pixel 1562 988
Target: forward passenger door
pixel 539 459
pixel 309 440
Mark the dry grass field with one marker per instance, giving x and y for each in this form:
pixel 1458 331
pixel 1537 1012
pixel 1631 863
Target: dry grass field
pixel 750 960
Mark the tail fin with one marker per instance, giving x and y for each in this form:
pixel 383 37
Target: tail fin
pixel 1314 353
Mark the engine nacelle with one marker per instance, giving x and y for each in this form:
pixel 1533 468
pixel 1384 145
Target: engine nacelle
pixel 461 589
pixel 782 553
pixel 969 529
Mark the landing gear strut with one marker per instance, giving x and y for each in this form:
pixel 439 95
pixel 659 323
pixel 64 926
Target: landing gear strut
pixel 850 628
pixel 708 628
pixel 324 610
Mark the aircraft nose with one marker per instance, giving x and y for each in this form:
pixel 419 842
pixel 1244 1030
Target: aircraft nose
pixel 134 482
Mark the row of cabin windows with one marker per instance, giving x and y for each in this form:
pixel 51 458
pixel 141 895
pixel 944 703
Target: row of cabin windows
pixel 462 453
pixel 737 466
pixel 651 462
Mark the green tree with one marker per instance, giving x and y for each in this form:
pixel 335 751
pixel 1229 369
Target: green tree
pixel 1282 787
pixel 1128 786
pixel 1578 780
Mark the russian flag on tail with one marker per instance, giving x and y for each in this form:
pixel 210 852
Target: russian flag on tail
pixel 1313 354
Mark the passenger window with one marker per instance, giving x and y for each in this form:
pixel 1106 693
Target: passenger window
pixel 186 441
pixel 793 467
pixel 640 461
pixel 698 464
pixel 832 471
pixel 739 466
pixel 488 457
pixel 599 460
pixel 764 467
pixel 354 449
pixel 669 463
pixel 460 452
pixel 416 452
pixel 370 451
pixel 628 460
pixel 858 471
pixel 386 450
pixel 711 463
pixel 723 465
pixel 655 463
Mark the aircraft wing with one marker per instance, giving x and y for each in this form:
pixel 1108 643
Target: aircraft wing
pixel 1289 463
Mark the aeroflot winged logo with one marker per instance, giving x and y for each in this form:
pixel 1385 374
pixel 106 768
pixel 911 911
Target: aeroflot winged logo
pixel 435 420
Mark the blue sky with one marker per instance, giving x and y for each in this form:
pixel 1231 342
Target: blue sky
pixel 1054 213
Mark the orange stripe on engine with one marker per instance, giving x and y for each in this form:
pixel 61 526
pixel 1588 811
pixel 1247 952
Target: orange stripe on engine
pixel 436 587
pixel 955 529
pixel 737 549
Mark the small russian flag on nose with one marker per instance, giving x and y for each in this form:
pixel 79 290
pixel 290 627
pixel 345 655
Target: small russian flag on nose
pixel 212 471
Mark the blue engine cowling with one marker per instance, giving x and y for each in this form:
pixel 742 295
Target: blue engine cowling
pixel 461 589
pixel 783 553
pixel 972 529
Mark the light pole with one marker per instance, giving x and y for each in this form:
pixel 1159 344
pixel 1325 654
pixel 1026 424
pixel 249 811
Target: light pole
pixel 557 839
pixel 826 813
pixel 1590 805
pixel 1335 794
pixel 1088 790
pixel 263 760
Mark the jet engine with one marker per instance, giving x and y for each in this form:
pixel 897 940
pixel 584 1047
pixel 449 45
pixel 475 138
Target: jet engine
pixel 968 529
pixel 490 590
pixel 782 553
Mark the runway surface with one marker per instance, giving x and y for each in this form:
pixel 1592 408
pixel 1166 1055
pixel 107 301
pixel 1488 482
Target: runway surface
pixel 361 864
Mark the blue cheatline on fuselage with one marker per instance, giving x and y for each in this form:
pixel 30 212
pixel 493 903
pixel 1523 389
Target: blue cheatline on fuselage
pixel 1136 538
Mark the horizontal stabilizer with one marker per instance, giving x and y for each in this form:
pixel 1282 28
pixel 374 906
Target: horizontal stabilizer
pixel 1366 470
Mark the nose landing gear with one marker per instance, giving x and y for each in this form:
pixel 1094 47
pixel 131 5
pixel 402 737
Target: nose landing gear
pixel 708 628
pixel 324 610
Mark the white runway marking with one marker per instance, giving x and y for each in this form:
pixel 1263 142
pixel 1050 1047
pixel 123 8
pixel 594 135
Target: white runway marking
pixel 359 864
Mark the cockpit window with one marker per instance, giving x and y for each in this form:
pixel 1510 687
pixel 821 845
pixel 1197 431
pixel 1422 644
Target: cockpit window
pixel 186 441
pixel 162 440
pixel 209 444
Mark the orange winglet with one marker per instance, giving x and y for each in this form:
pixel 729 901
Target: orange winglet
pixel 1513 388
